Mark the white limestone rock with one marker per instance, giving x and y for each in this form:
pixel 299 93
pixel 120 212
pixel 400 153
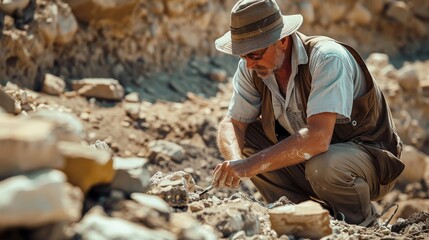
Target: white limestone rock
pixel 27 145
pixel 53 85
pixel 104 88
pixel 307 220
pixel 96 226
pixel 38 198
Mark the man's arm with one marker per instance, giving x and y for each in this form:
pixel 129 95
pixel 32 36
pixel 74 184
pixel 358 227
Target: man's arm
pixel 230 138
pixel 299 147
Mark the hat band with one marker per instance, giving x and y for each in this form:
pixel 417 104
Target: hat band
pixel 256 28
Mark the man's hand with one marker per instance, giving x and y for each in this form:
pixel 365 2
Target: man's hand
pixel 229 173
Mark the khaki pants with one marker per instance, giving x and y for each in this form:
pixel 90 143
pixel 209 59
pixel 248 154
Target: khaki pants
pixel 343 177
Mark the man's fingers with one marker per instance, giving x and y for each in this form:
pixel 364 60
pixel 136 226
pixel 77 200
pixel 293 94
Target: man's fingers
pixel 229 180
pixel 236 182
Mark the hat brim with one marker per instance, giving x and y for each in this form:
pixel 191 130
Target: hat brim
pixel 291 23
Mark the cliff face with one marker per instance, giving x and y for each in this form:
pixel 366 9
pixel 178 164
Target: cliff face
pixel 128 39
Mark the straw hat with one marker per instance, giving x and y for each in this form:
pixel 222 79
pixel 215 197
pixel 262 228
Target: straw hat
pixel 256 24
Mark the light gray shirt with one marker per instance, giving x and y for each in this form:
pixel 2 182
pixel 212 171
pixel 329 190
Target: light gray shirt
pixel 336 80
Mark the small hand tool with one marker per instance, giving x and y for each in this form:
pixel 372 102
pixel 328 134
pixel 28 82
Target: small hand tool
pixel 206 190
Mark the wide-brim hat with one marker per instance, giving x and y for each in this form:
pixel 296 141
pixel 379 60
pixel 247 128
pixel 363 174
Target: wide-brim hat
pixel 256 24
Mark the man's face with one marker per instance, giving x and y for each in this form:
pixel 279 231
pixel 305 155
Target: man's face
pixel 265 61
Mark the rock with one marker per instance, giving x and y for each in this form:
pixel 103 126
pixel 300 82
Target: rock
pixel 173 187
pixel 66 27
pixel 132 97
pixel 231 217
pixel 98 226
pixel 101 145
pixel 218 75
pixel 93 10
pixel 86 167
pixel 27 145
pixel 105 88
pixel 152 201
pixel 406 208
pixel 48 30
pixel 53 85
pixel 185 226
pixel 10 6
pixel 414 218
pixel 419 27
pixel 408 78
pixel 131 174
pixel 307 219
pixel 7 102
pixel 307 11
pixel 360 15
pixel 132 110
pixel 333 11
pixel 389 71
pixel 379 60
pixel 169 149
pixel 67 125
pixel 399 11
pixel 415 165
pixel 143 215
pixel 38 198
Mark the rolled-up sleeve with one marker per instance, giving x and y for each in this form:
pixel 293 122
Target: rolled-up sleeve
pixel 245 103
pixel 332 84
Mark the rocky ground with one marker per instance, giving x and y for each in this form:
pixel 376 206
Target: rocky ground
pixel 109 132
pixel 166 130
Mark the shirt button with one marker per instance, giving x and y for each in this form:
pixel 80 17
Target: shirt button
pixel 354 123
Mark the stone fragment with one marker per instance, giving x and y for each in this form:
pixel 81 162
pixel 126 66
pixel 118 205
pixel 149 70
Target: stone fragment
pixel 307 220
pixel 131 174
pixel 307 11
pixel 7 102
pixel 196 206
pixel 97 225
pixel 173 187
pixel 360 15
pixel 379 60
pixel 38 198
pixel 86 167
pixel 104 88
pixel 93 10
pixel 53 85
pixel 218 75
pixel 185 226
pixel 406 208
pixel 231 217
pixel 27 145
pixel 10 6
pixel 67 126
pixel 132 110
pixel 47 30
pixel 170 149
pixel 408 78
pixel 415 164
pixel 66 27
pixel 135 212
pixel 151 201
pixel 132 97
pixel 399 11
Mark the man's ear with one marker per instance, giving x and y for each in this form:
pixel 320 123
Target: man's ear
pixel 284 42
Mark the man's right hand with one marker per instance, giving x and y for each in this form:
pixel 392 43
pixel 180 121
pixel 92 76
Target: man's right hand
pixel 230 173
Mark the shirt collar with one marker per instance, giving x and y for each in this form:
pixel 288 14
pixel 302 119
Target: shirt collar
pixel 299 50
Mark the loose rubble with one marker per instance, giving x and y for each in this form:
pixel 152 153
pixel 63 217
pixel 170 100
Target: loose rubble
pixel 97 144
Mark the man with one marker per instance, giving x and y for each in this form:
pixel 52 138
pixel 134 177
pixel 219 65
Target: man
pixel 306 120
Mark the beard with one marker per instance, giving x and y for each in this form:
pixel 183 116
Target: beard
pixel 264 72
